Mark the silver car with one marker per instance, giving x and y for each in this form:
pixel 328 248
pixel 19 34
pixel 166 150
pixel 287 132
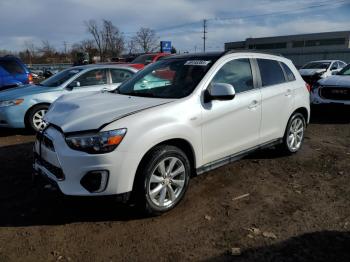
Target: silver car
pixel 333 90
pixel 25 106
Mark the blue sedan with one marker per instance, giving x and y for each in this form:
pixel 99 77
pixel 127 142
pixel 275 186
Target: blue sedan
pixel 26 106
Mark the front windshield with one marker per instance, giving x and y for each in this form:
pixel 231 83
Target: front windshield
pixel 345 71
pixel 317 65
pixel 61 77
pixel 169 78
pixel 143 59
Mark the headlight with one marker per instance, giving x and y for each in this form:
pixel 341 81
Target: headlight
pixel 14 102
pixel 103 142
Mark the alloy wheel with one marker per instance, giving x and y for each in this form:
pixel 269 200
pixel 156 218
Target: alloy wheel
pixel 167 182
pixel 295 134
pixel 38 120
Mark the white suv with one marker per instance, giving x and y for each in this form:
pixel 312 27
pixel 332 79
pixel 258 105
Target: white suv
pixel 179 117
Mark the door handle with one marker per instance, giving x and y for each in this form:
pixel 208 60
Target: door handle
pixel 289 92
pixel 253 104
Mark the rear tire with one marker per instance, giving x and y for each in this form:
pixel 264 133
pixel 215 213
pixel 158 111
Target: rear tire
pixel 162 180
pixel 294 134
pixel 35 117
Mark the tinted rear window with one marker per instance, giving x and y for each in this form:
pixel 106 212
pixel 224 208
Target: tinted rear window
pixel 12 67
pixel 289 73
pixel 271 72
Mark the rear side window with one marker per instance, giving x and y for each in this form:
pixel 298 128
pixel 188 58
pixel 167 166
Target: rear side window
pixel 12 67
pixel 289 73
pixel 271 72
pixel 238 73
pixel 119 75
pixel 93 77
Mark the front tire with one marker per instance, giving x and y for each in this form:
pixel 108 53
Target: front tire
pixel 163 179
pixel 35 117
pixel 294 134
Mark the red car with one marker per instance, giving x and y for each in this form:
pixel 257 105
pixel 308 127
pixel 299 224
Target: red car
pixel 141 61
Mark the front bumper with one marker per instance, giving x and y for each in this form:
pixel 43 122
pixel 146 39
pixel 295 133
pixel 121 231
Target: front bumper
pixel 316 99
pixel 12 116
pixel 66 167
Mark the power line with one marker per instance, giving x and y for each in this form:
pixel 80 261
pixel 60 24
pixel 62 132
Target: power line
pixel 321 4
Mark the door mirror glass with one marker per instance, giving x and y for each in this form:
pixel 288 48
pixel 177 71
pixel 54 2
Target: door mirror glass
pixel 73 84
pixel 220 91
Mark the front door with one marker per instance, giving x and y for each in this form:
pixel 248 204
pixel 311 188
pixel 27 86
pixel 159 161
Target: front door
pixel 232 126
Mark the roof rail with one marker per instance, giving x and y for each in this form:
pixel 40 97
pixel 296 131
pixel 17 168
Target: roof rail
pixel 251 51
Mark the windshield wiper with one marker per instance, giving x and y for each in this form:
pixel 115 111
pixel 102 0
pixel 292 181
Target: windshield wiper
pixel 138 94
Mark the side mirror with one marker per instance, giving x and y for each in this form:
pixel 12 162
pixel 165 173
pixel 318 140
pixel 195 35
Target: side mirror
pixel 73 84
pixel 334 68
pixel 219 91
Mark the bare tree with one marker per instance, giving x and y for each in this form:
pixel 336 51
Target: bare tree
pixel 108 39
pixel 30 47
pixel 131 46
pixel 112 39
pixel 46 49
pixel 146 40
pixel 92 28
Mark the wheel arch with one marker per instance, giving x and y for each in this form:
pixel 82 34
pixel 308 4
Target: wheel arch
pixel 301 110
pixel 304 112
pixel 30 109
pixel 181 143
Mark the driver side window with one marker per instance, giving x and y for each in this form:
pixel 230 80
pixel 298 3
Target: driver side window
pixel 237 73
pixel 93 77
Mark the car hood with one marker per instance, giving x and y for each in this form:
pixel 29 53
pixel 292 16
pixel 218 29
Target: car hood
pixel 336 80
pixel 310 72
pixel 92 110
pixel 21 91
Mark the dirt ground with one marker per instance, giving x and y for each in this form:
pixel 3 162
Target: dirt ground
pixel 297 209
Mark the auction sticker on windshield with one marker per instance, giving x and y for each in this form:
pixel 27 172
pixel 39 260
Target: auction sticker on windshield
pixel 197 62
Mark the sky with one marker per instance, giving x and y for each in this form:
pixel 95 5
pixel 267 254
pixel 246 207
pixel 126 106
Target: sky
pixel 179 21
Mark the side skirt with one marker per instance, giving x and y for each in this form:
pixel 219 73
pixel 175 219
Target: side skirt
pixel 229 159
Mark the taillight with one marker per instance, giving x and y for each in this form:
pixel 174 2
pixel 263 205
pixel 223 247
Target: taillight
pixel 308 87
pixel 30 79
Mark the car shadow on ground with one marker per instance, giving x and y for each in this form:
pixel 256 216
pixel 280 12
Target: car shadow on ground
pixel 27 203
pixel 330 114
pixel 318 246
pixel 4 132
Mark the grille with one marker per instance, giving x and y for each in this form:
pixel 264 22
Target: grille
pixel 56 171
pixel 335 93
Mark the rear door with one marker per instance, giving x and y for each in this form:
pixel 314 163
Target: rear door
pixel 277 94
pixel 92 80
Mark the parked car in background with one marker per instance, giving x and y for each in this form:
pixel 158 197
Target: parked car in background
pixel 141 61
pixel 183 115
pixel 26 106
pixel 333 90
pixel 315 70
pixel 13 72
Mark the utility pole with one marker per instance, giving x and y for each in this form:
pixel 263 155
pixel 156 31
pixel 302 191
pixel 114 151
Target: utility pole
pixel 65 47
pixel 204 33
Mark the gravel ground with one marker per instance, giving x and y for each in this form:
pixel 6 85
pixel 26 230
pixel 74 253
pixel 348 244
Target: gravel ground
pixel 292 208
